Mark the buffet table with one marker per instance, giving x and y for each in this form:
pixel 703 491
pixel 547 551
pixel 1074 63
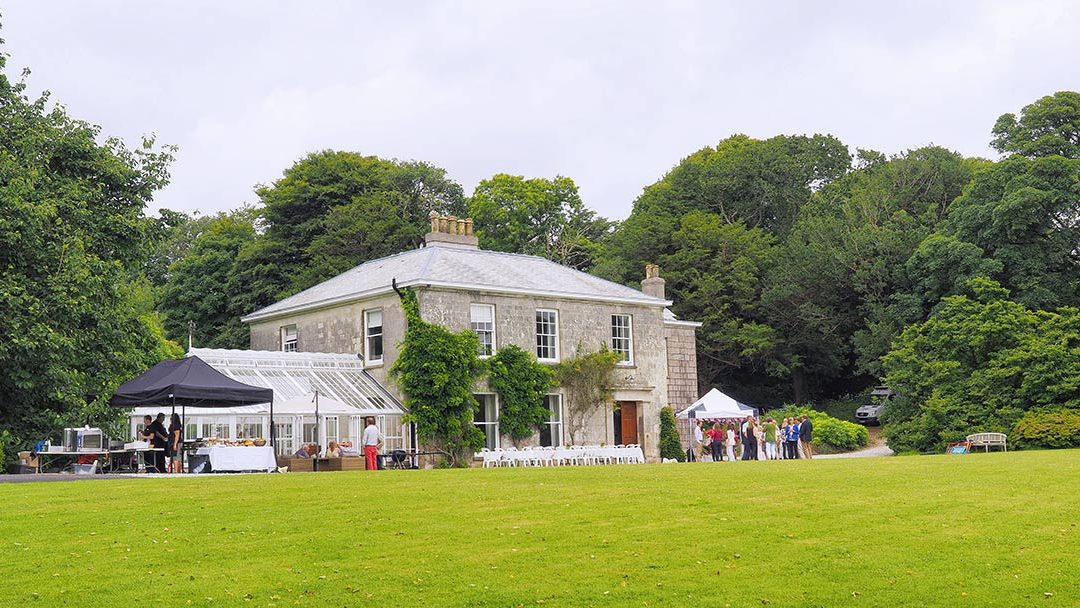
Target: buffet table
pixel 239 458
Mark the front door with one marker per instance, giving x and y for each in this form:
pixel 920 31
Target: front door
pixel 626 423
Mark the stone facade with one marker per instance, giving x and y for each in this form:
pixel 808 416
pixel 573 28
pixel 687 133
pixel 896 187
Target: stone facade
pixel 663 369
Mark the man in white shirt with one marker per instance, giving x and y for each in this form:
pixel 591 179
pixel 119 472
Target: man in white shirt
pixel 699 438
pixel 371 441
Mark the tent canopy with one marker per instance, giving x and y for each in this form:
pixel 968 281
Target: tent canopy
pixel 713 405
pixel 188 382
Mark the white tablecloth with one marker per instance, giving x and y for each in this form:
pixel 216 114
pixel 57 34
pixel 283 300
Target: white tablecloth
pixel 253 458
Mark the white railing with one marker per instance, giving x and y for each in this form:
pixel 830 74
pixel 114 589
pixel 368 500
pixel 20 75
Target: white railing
pixel 562 456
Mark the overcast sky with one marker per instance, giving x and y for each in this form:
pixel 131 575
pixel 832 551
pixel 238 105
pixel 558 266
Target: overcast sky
pixel 611 94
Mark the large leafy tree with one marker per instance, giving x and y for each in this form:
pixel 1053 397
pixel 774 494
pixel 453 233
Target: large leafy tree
pixel 76 313
pixel 333 210
pixel 1048 127
pixel 538 216
pixel 196 290
pixel 841 289
pixel 977 364
pixel 761 183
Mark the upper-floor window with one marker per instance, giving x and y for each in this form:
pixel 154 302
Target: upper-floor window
pixel 373 331
pixel 547 335
pixel 622 338
pixel 288 338
pixel 482 321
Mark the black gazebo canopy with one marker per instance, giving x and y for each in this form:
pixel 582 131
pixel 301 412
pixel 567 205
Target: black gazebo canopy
pixel 189 382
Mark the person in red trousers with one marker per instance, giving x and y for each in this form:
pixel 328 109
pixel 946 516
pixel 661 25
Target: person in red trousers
pixel 371 444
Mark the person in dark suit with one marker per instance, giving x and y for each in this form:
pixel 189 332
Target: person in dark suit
pixel 806 437
pixel 160 439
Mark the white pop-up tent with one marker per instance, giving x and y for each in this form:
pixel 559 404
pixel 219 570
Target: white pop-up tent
pixel 715 405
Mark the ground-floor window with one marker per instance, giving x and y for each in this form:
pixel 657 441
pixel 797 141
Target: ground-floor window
pixel 249 427
pixel 330 423
pixel 551 432
pixel 487 419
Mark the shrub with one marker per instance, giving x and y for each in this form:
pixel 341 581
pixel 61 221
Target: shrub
pixel 1048 428
pixel 670 444
pixel 829 433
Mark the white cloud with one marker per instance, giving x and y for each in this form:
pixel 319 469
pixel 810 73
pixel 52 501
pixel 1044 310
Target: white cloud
pixel 612 94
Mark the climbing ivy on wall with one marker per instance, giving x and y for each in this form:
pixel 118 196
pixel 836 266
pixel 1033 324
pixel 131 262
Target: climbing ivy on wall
pixel 521 382
pixel 436 370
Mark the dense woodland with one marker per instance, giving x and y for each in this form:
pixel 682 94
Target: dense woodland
pixel 817 272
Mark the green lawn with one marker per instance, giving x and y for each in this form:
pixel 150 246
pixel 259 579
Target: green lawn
pixel 979 530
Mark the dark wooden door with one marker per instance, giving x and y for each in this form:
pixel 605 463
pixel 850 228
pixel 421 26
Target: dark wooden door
pixel 626 431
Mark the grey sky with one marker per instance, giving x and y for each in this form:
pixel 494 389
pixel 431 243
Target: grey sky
pixel 611 94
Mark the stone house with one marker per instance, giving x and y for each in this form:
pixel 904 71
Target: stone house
pixel 543 307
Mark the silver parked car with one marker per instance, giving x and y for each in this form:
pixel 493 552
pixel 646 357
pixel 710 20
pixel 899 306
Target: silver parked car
pixel 871 412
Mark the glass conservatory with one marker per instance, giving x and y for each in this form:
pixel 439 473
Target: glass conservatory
pixel 346 393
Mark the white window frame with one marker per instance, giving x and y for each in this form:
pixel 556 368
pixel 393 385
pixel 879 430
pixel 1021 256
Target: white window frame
pixel 555 422
pixel 289 345
pixel 494 424
pixel 629 360
pixel 537 333
pixel 327 427
pixel 368 359
pixel 285 436
pixel 473 323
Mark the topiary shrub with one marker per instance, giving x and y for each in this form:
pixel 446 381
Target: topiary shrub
pixel 1048 428
pixel 670 444
pixel 829 433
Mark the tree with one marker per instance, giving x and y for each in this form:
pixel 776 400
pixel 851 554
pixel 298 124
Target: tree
pixel 543 217
pixel 333 210
pixel 977 364
pixel 522 383
pixel 586 379
pixel 77 314
pixel 196 289
pixel 761 183
pixel 1048 127
pixel 1025 214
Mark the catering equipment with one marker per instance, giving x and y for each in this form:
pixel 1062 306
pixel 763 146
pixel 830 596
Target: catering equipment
pixel 137 445
pixel 91 440
pixel 71 440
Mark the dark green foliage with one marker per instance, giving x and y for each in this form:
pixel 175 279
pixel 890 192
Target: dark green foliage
pixel 586 379
pixel 543 217
pixel 333 210
pixel 1047 428
pixel 77 315
pixel 196 288
pixel 1048 127
pixel 521 382
pixel 670 444
pixel 977 364
pixel 1023 213
pixel 829 433
pixel 436 370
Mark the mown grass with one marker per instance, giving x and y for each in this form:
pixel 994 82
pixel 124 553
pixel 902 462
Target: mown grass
pixel 977 530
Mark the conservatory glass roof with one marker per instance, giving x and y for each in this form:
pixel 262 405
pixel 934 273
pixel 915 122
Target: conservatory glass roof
pixel 338 376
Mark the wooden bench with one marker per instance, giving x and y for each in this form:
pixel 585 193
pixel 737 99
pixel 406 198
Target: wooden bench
pixel 988 440
pixel 296 464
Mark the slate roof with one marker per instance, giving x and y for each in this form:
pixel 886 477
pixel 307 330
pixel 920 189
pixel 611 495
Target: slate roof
pixel 448 265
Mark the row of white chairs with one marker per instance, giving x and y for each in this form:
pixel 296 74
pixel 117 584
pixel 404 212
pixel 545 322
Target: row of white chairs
pixel 562 456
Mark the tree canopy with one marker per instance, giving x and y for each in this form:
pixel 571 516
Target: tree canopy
pixel 78 314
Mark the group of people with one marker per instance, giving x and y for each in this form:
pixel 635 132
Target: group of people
pixel 169 442
pixel 371 440
pixel 754 440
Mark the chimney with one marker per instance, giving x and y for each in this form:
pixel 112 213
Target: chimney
pixel 451 231
pixel 653 285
